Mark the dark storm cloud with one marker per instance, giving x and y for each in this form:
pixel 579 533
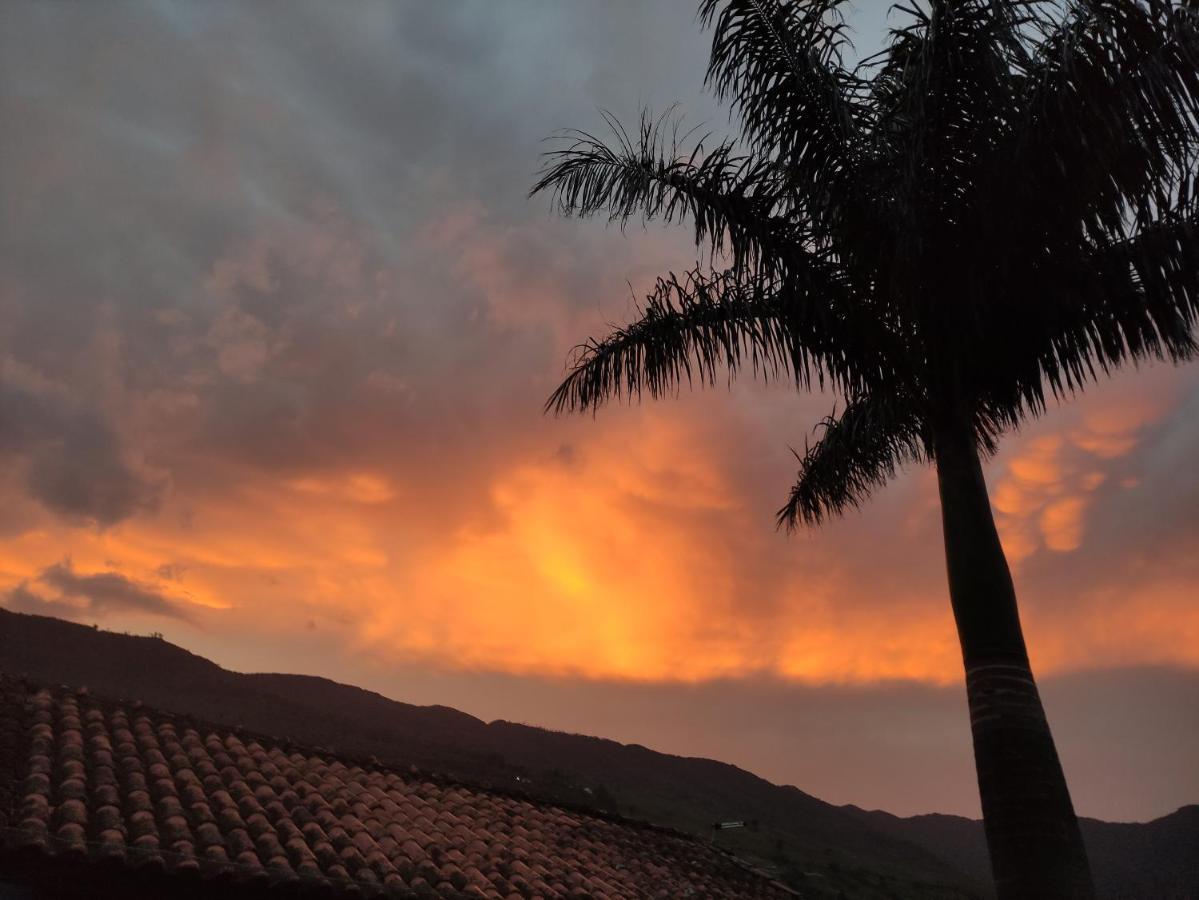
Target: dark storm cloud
pixel 129 190
pixel 72 459
pixel 263 142
pixel 395 146
pixel 76 595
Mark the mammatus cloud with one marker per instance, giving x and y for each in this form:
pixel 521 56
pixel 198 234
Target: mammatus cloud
pixel 1045 489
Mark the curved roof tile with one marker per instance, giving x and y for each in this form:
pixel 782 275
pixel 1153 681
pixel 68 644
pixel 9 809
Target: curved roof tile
pixel 105 781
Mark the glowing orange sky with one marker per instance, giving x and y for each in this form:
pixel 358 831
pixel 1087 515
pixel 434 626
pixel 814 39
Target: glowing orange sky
pixel 638 555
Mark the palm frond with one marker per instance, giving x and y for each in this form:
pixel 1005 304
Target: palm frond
pixel 1109 111
pixel 696 325
pixel 1088 308
pixel 733 200
pixel 1148 282
pixel 779 65
pixel 943 96
pixel 1092 119
pixel 858 452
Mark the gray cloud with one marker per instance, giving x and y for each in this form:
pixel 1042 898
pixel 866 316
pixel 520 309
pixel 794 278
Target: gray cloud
pixel 72 459
pixel 77 595
pixel 268 136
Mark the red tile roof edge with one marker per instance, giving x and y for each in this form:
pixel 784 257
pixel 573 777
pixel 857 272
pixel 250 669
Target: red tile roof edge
pixel 229 870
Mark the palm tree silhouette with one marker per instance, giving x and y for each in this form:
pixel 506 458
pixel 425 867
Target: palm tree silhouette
pixel 992 212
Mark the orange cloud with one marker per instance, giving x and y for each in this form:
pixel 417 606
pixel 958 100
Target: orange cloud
pixel 1043 494
pixel 319 478
pixel 638 556
pixel 1039 464
pixel 356 487
pixel 1061 523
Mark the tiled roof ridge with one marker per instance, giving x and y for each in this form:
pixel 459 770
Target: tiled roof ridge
pixel 409 772
pixel 15 839
pixel 367 764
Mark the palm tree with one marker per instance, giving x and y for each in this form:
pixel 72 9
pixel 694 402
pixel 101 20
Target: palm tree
pixel 978 221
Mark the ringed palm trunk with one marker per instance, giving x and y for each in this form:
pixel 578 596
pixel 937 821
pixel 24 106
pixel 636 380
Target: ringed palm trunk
pixel 1032 832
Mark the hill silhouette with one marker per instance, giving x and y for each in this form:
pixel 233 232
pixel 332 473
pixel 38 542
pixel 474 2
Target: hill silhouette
pixel 825 850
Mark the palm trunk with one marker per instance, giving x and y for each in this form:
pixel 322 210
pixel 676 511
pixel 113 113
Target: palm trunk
pixel 1032 833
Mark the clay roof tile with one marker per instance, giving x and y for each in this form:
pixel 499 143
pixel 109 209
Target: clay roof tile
pixel 153 792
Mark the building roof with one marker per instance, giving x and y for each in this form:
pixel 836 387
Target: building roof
pixel 104 785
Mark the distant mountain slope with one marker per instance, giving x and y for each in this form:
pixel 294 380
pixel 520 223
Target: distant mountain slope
pixel 1158 859
pixel 824 850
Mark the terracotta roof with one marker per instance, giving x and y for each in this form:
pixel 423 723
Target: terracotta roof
pixel 89 782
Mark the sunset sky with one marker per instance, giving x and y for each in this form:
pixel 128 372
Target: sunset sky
pixel 277 321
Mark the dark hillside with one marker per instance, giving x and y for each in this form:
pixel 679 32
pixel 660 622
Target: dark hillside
pixel 1158 859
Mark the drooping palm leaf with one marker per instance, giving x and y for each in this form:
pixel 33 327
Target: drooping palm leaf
pixel 694 326
pixel 733 201
pixel 859 450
